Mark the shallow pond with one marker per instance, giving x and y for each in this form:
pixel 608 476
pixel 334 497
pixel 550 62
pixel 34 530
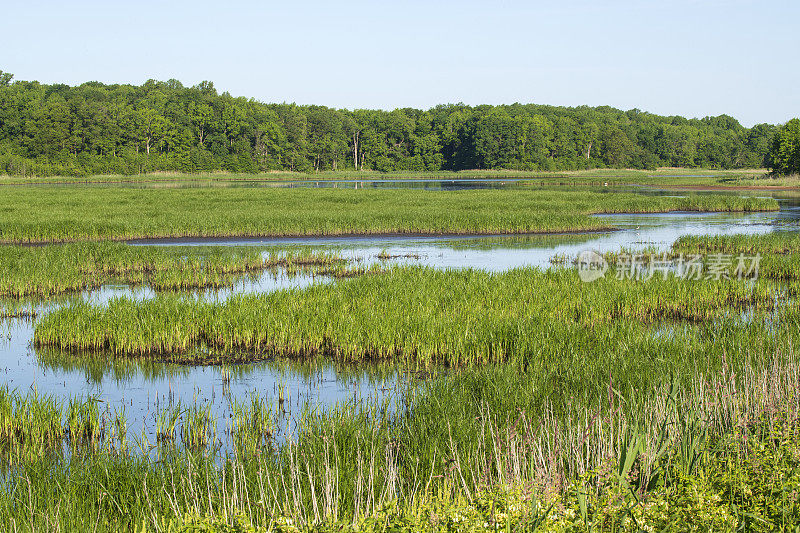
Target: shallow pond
pixel 502 252
pixel 142 388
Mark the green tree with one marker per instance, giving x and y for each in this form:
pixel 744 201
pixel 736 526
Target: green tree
pixel 494 139
pixel 616 147
pixel 97 128
pixel 758 145
pixel 785 153
pixel 202 116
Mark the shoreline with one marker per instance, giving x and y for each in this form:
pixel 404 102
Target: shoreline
pixel 178 239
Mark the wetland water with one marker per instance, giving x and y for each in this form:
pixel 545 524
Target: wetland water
pixel 141 388
pixel 375 183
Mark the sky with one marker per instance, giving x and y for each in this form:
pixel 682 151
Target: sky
pixel 684 57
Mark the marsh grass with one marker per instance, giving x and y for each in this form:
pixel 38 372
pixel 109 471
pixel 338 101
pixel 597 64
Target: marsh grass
pixel 556 391
pixel 459 439
pixel 56 269
pixel 83 420
pixel 662 176
pixel 17 311
pixel 198 427
pixel 252 426
pixel 779 251
pixel 459 317
pixel 52 214
pixel 778 242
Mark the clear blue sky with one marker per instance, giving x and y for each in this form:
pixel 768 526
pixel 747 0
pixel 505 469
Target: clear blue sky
pixel 686 57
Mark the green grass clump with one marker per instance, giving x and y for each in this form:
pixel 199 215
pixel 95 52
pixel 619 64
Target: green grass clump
pixel 50 214
pixel 778 242
pixel 407 314
pixel 32 419
pixel 779 251
pixel 469 452
pixel 48 270
pixel 83 420
pixel 252 426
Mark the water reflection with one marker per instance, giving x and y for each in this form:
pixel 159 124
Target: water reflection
pixel 143 386
pixel 503 252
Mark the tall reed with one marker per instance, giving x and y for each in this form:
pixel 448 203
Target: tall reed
pixel 443 442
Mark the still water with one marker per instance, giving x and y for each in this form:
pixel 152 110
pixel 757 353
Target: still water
pixel 142 388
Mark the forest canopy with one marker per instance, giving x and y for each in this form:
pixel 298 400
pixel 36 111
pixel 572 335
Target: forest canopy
pixel 95 128
pixel 785 153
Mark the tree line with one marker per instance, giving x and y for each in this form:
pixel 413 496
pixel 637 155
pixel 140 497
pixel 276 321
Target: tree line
pixel 784 156
pixel 96 128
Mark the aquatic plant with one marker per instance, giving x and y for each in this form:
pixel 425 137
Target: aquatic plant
pixel 83 420
pixel 779 252
pixel 54 269
pixel 457 451
pixel 252 426
pixel 167 423
pixel 778 242
pixel 198 429
pixel 48 214
pixel 459 317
